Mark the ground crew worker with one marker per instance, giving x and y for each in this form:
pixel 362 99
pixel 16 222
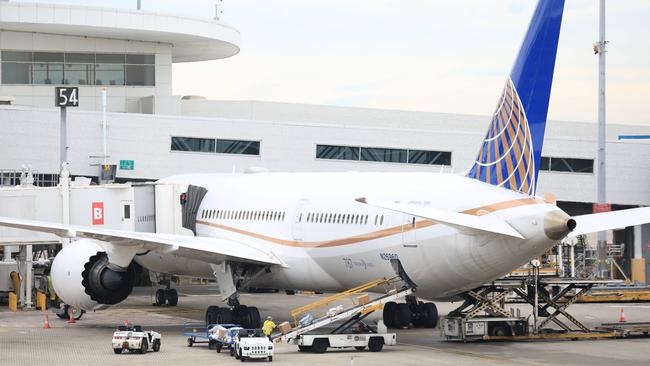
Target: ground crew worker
pixel 268 326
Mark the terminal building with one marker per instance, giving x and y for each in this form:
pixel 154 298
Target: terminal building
pixel 152 133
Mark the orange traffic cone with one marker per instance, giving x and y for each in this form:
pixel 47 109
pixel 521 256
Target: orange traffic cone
pixel 621 319
pixel 46 325
pixel 71 320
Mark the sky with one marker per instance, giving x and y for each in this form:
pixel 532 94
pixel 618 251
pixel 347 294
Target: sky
pixel 424 55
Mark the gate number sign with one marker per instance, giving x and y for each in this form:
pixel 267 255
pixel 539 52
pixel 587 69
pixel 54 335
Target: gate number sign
pixel 66 96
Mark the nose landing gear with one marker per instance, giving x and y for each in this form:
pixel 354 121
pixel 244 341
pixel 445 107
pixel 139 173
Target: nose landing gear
pixel 167 296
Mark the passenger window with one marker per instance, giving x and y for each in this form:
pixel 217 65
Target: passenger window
pixel 381 220
pixel 283 216
pixel 376 219
pixel 300 218
pixel 365 220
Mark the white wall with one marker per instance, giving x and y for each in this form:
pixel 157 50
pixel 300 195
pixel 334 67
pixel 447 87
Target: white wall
pixel 30 135
pixel 120 98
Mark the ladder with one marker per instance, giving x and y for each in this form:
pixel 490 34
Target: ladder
pixel 392 293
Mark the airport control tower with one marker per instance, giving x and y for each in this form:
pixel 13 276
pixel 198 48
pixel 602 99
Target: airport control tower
pixel 128 51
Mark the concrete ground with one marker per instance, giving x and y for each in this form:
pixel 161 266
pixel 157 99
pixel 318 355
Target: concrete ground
pixel 24 342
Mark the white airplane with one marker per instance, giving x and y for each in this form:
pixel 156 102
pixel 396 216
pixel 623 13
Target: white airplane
pixel 333 231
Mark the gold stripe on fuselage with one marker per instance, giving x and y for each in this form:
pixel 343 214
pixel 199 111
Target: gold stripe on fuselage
pixel 375 234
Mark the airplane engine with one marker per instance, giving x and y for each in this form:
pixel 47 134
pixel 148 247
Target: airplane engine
pixel 83 278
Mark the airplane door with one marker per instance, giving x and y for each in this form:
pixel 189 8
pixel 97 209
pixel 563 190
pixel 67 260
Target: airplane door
pixel 298 219
pixel 127 215
pixel 409 234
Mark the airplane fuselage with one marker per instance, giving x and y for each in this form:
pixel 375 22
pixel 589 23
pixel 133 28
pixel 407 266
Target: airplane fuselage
pixel 331 242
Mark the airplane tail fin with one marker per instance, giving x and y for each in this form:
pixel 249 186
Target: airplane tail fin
pixel 511 151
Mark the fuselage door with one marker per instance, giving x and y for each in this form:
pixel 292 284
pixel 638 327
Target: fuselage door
pixel 409 232
pixel 299 218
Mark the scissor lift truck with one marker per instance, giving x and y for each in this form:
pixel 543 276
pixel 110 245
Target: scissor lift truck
pixel 352 331
pixel 483 316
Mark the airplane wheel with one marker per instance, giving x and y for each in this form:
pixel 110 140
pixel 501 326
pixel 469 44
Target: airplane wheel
pixel 224 316
pixel 403 315
pixel 241 316
pixel 430 315
pixel 161 299
pixel 211 314
pixel 254 315
pixel 172 297
pixel 389 314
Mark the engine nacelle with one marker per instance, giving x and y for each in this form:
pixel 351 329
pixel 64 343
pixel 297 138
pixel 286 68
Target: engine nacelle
pixel 83 278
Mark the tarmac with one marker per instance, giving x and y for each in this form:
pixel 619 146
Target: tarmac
pixel 23 341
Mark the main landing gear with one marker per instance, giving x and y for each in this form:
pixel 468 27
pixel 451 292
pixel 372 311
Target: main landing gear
pixel 246 316
pixel 415 312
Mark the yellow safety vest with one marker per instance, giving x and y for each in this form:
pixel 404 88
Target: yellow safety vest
pixel 268 327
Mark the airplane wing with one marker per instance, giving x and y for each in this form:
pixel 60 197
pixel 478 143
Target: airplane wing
pixel 211 250
pixel 610 220
pixel 482 223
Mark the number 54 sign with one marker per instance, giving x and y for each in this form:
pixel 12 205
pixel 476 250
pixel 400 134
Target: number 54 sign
pixel 66 96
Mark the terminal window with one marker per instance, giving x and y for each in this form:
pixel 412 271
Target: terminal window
pixel 380 154
pixel 75 68
pixel 218 146
pixel 572 165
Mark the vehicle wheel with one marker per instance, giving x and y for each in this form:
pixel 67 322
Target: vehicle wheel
pixel 304 348
pixel 190 342
pixel 211 314
pixel 224 316
pixel 172 297
pixel 255 318
pixel 430 315
pixel 211 344
pixel 375 344
pixel 499 329
pixel 117 350
pixel 160 297
pixel 218 347
pixel 360 348
pixel 402 315
pixel 389 314
pixel 238 355
pixel 156 345
pixel 320 345
pixel 242 359
pixel 290 292
pixel 144 347
pixel 270 358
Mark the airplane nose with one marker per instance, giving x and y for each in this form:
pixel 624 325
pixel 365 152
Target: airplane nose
pixel 557 224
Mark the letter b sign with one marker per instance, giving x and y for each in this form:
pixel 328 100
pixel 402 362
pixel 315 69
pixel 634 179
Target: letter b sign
pixel 98 213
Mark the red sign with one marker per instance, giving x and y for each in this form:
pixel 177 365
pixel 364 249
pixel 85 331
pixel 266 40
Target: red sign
pixel 602 207
pixel 98 213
